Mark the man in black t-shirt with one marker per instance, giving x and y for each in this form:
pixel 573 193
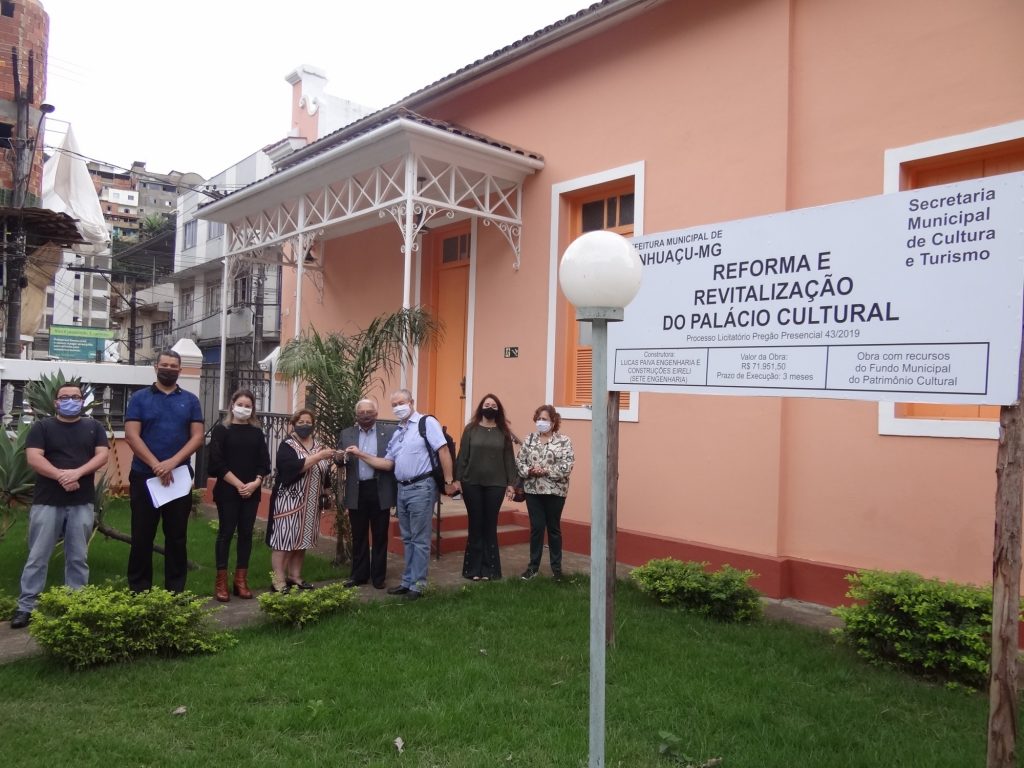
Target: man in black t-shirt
pixel 65 451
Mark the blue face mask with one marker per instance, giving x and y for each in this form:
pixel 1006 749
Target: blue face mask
pixel 69 408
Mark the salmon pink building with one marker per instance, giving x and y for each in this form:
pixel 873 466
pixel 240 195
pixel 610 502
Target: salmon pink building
pixel 643 116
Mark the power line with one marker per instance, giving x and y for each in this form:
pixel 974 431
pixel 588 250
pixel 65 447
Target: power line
pixel 141 174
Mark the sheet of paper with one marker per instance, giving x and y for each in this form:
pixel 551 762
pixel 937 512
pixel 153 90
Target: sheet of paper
pixel 181 484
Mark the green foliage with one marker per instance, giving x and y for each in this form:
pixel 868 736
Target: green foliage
pixel 16 478
pixel 940 630
pixel 725 595
pixel 763 695
pixel 103 624
pixel 153 224
pixel 669 748
pixel 299 607
pixel 339 370
pixel 197 500
pixel 39 395
pixel 8 605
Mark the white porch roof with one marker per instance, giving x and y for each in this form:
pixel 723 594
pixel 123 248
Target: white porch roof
pixel 400 166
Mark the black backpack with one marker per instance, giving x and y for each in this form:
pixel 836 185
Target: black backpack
pixel 435 463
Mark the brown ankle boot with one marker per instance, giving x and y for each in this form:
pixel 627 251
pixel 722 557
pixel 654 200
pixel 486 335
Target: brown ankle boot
pixel 241 585
pixel 220 588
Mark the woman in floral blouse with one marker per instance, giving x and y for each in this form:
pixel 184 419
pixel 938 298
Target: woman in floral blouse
pixel 545 461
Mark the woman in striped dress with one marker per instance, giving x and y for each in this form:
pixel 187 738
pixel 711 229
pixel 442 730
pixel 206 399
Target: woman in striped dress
pixel 303 469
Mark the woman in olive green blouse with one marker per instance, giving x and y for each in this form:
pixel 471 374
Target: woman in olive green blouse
pixel 486 471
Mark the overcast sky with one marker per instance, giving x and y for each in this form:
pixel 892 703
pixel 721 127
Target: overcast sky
pixel 196 85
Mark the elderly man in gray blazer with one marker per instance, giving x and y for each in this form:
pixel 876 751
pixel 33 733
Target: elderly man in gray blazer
pixel 369 496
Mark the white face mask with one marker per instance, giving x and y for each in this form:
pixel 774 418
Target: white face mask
pixel 241 412
pixel 543 426
pixel 402 411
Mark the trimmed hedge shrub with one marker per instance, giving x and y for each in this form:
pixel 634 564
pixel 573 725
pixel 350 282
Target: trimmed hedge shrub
pixel 100 624
pixel 940 630
pixel 299 607
pixel 725 594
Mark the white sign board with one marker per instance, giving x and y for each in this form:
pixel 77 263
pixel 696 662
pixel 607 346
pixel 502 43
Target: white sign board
pixel 913 296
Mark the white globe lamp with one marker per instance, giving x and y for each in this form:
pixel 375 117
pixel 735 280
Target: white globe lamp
pixel 600 269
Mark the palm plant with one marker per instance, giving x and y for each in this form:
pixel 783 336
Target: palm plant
pixel 153 224
pixel 339 370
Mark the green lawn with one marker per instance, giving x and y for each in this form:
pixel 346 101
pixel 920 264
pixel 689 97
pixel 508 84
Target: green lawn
pixel 108 559
pixel 491 675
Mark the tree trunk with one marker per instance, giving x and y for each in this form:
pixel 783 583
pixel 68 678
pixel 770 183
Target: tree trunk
pixel 1006 561
pixel 116 535
pixel 612 414
pixel 342 526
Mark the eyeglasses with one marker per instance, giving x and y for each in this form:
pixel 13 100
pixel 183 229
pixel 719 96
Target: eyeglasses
pixel 70 398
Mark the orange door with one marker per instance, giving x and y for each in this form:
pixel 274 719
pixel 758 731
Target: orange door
pixel 452 265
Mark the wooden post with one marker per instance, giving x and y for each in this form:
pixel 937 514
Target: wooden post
pixel 612 521
pixel 1006 561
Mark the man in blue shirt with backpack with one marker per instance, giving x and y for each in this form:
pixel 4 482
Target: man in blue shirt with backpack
pixel 410 457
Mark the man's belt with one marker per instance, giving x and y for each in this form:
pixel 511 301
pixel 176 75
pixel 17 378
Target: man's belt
pixel 416 479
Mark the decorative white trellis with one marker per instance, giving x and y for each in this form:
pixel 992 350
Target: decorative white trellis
pixel 434 188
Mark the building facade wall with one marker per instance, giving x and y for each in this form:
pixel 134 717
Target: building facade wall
pixel 26 30
pixel 732 109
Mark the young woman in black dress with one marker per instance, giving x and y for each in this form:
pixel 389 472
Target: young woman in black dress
pixel 239 459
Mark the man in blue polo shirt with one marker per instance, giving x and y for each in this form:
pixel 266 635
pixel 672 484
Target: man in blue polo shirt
pixel 408 457
pixel 164 427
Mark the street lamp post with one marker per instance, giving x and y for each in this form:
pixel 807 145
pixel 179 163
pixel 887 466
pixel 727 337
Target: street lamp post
pixel 600 274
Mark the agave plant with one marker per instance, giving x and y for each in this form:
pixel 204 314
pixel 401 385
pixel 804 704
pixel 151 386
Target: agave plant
pixel 39 395
pixel 16 478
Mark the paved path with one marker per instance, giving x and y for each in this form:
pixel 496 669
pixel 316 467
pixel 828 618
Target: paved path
pixel 445 573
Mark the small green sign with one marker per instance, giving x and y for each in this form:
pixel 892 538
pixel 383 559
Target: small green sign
pixel 73 342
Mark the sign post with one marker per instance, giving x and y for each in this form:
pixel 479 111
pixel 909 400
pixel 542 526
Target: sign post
pixel 914 296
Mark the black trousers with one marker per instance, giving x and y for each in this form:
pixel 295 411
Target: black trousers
pixel 145 519
pixel 545 511
pixel 483 503
pixel 234 512
pixel 369 536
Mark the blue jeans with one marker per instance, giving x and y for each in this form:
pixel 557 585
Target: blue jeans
pixel 415 509
pixel 45 526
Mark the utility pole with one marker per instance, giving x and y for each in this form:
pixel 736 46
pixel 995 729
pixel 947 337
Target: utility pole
pixel 133 319
pixel 22 171
pixel 133 303
pixel 24 150
pixel 257 319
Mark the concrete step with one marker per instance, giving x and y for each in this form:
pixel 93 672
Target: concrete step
pixel 513 528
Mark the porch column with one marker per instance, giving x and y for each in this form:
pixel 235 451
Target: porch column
pixel 300 257
pixel 223 327
pixel 407 243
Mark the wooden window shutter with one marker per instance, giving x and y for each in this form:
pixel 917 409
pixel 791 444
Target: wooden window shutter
pixel 583 383
pixel 972 164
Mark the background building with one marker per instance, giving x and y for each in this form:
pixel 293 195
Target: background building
pixel 252 301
